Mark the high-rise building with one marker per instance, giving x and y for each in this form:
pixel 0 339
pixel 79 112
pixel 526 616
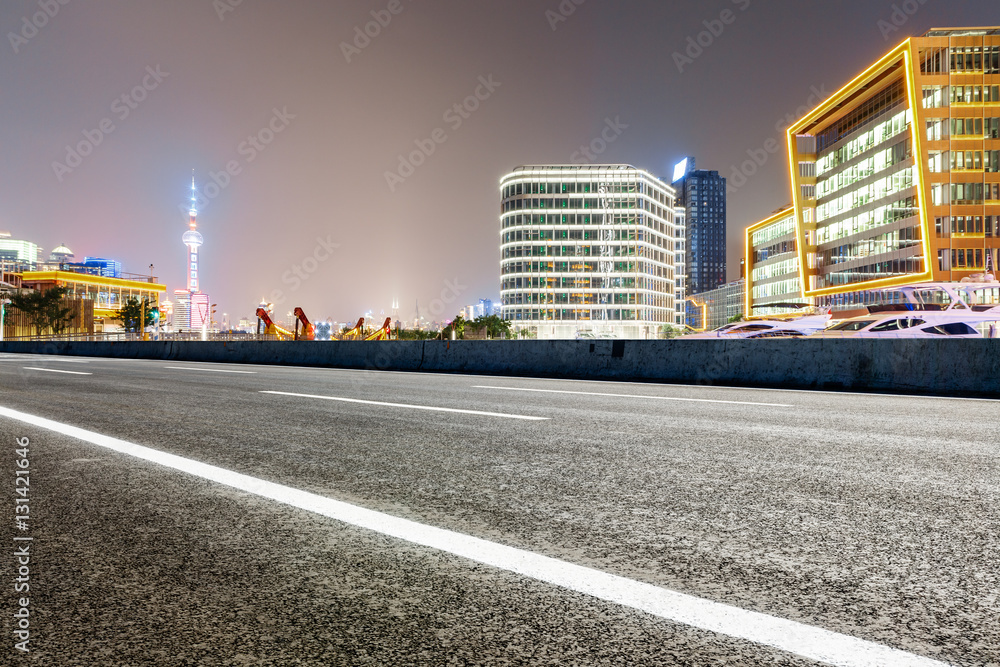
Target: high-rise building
pixel 702 194
pixel 896 177
pixel 587 250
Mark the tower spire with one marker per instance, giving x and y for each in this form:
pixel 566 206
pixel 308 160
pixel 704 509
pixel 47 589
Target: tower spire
pixel 194 201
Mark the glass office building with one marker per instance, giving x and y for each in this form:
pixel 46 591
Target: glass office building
pixel 702 194
pixel 588 250
pixel 896 177
pixel 714 308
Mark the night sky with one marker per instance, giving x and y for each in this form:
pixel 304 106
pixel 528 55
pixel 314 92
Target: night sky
pixel 316 198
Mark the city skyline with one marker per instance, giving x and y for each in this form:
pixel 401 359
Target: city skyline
pixel 343 170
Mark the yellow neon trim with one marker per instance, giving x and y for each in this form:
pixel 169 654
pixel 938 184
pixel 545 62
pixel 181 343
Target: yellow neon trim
pixel 800 232
pixel 919 164
pixel 871 284
pixel 704 315
pixel 904 51
pixel 69 277
pixel 748 274
pixel 852 86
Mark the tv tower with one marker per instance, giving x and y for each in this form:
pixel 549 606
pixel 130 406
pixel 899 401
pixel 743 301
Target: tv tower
pixel 193 310
pixel 193 240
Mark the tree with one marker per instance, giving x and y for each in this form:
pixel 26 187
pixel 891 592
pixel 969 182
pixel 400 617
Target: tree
pixel 457 325
pixel 670 331
pixel 734 319
pixel 494 325
pixel 417 334
pixel 132 313
pixel 58 317
pixel 44 310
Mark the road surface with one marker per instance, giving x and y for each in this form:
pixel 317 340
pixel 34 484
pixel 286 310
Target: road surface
pixel 210 514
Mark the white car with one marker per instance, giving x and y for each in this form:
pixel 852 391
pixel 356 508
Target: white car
pixel 802 326
pixel 928 324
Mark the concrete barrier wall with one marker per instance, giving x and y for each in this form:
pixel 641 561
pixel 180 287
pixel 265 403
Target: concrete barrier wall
pixel 969 367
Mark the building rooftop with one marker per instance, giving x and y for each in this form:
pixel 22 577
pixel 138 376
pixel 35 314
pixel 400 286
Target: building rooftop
pixel 577 167
pixel 962 32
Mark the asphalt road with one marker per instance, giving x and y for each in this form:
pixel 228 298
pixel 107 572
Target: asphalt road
pixel 870 516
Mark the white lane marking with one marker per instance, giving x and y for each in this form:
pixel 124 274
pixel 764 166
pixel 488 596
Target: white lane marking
pixel 52 370
pixel 207 370
pixel 64 360
pixel 654 398
pixel 808 641
pixel 410 407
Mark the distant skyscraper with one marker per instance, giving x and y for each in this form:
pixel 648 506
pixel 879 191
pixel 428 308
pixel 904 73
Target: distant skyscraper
pixel 182 310
pixel 702 194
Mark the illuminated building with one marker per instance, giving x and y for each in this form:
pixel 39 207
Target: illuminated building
pixel 867 214
pixel 108 294
pixel 17 255
pixel 587 249
pixel 680 262
pixel 772 265
pixel 702 194
pixel 61 255
pixel 181 320
pixel 107 267
pixel 896 177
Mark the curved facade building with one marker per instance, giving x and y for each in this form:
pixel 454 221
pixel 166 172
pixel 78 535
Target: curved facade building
pixel 589 250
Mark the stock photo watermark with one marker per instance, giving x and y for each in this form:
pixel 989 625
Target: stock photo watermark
pixel 451 292
pixel 900 16
pixel 697 44
pixel 608 135
pixel 122 107
pixel 223 7
pixel 455 116
pixel 740 174
pixel 301 271
pixel 248 150
pixel 30 27
pixel 364 34
pixel 22 544
pixel 562 13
